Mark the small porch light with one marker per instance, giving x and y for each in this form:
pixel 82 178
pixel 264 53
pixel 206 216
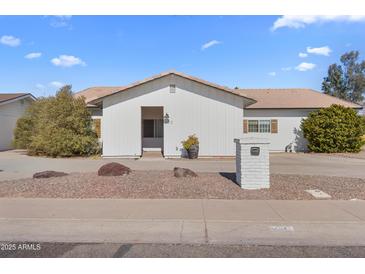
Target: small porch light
pixel 166 118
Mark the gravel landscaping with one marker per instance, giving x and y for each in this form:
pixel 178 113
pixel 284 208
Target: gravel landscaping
pixel 162 184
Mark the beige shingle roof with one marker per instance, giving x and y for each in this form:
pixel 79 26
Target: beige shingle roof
pixel 292 98
pixel 94 93
pixel 261 98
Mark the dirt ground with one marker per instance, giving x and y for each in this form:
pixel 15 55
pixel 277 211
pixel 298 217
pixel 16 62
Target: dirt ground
pixel 162 184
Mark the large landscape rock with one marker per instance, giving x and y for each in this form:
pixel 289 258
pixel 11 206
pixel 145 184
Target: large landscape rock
pixel 184 172
pixel 113 169
pixel 48 174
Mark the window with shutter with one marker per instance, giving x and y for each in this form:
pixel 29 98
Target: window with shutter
pixel 260 126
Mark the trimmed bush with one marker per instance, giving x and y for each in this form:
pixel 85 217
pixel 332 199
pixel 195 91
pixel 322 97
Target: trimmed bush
pixel 334 129
pixel 57 126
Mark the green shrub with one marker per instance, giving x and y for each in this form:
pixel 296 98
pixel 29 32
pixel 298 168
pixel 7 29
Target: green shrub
pixel 22 132
pixel 192 140
pixel 334 129
pixel 25 126
pixel 57 126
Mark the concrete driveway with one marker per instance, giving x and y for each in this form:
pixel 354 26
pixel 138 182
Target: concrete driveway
pixel 15 164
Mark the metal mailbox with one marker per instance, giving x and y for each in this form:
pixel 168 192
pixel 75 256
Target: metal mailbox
pixel 255 151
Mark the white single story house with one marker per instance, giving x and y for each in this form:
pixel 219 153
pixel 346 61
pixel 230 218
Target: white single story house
pixel 159 112
pixel 12 107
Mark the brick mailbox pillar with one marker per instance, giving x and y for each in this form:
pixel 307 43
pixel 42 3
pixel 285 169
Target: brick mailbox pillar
pixel 252 163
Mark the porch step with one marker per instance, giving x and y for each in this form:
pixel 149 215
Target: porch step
pixel 152 154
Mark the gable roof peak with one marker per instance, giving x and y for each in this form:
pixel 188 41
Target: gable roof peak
pixel 169 72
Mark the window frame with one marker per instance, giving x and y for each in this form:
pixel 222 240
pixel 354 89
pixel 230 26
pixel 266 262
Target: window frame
pixel 259 126
pixel 267 125
pixel 250 125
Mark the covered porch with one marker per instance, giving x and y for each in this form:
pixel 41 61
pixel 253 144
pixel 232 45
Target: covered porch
pixel 152 130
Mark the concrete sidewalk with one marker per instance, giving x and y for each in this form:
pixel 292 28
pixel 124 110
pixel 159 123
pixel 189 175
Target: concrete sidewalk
pixel 183 221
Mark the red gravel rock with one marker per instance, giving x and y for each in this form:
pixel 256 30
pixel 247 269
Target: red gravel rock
pixel 113 169
pixel 162 184
pixel 183 172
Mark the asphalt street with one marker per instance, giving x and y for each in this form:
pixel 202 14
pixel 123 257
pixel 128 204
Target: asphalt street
pixel 113 250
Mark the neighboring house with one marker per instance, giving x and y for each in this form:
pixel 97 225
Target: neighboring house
pixel 12 107
pixel 96 110
pixel 362 111
pixel 157 113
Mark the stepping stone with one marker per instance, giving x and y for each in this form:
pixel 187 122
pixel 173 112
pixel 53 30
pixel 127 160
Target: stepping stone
pixel 319 194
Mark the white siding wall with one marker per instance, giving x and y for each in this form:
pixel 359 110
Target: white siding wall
pixel 213 115
pixel 9 114
pixel 289 121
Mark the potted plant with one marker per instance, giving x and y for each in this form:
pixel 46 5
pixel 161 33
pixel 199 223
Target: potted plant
pixel 192 146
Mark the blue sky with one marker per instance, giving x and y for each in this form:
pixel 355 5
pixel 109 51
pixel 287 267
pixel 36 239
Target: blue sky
pixel 39 53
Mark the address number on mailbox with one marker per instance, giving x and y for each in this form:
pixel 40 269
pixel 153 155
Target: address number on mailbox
pixel 255 151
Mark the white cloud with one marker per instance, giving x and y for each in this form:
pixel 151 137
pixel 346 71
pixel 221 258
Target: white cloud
pixel 40 86
pixel 56 84
pixel 286 68
pixel 67 61
pixel 302 55
pixel 210 44
pixel 33 55
pixel 320 51
pixel 10 41
pixel 61 21
pixel 301 21
pixel 305 66
pixel 272 73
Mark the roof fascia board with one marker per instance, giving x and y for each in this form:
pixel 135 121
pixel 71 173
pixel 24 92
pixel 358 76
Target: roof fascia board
pixel 30 96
